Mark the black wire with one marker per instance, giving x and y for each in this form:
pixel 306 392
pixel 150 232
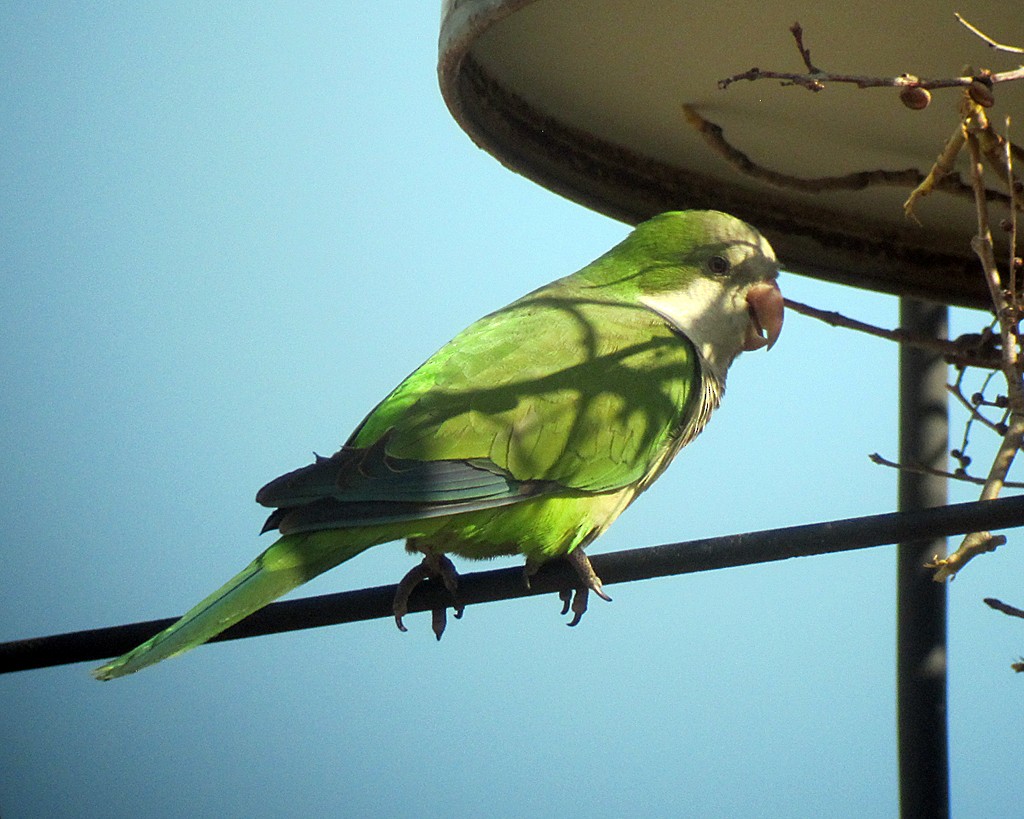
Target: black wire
pixel 505 584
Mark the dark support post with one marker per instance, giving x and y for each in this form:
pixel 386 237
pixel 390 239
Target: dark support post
pixel 920 601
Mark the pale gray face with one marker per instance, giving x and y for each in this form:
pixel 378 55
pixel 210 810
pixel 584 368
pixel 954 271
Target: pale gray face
pixel 734 304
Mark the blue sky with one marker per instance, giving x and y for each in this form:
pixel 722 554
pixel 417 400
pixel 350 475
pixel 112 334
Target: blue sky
pixel 228 231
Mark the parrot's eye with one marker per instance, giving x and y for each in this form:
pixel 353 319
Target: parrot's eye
pixel 719 265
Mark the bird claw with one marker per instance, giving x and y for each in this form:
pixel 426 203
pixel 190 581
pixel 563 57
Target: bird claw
pixel 576 600
pixel 416 575
pixel 438 621
pixel 432 566
pixel 579 606
pixel 581 563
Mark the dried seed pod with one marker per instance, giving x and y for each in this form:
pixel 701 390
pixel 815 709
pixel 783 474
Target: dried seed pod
pixel 915 97
pixel 981 93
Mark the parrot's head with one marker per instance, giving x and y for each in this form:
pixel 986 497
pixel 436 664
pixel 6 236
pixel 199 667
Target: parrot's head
pixel 714 278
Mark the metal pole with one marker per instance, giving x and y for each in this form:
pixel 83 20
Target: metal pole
pixel 920 601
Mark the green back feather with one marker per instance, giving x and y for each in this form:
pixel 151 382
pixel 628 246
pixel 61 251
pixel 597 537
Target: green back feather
pixel 563 385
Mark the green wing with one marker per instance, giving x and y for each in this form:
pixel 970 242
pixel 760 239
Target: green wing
pixel 559 386
pixel 560 390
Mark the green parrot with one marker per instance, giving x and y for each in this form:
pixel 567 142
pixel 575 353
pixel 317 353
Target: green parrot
pixel 528 433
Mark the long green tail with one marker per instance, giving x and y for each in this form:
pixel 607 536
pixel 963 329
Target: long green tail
pixel 288 563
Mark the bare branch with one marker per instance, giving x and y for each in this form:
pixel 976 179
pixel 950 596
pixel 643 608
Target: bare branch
pixel 817 81
pixel 986 39
pixel 921 469
pixel 998 150
pixel 815 78
pixel 805 53
pixel 714 136
pixel 979 542
pixel 1005 608
pixel 968 351
pixel 1012 611
pixel 939 172
pixel 984 144
pixel 1014 186
pixel 976 414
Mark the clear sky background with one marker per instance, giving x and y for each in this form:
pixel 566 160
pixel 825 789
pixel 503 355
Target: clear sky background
pixel 227 231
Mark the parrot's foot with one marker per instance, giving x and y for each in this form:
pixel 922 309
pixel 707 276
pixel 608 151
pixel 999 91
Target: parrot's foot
pixel 432 566
pixel 576 600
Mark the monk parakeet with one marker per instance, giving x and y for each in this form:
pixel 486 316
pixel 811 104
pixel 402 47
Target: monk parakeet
pixel 529 432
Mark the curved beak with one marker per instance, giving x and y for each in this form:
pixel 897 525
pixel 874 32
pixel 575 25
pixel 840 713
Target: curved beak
pixel 765 305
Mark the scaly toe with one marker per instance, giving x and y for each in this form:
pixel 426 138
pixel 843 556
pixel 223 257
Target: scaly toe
pixel 412 579
pixel 579 605
pixel 450 577
pixel 581 563
pixel 433 565
pixel 438 621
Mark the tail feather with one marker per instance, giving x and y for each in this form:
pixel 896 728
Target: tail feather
pixel 288 563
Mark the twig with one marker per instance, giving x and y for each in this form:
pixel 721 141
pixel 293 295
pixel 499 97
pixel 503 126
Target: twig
pixel 966 350
pixel 1013 611
pixel 975 413
pixel 714 136
pixel 982 246
pixel 986 39
pixel 1015 188
pixel 973 130
pixel 979 542
pixel 921 469
pixel 816 79
pixel 939 172
pixel 997 149
pixel 1005 608
pixel 805 53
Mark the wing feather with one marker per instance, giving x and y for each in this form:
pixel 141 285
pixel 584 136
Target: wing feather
pixel 561 391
